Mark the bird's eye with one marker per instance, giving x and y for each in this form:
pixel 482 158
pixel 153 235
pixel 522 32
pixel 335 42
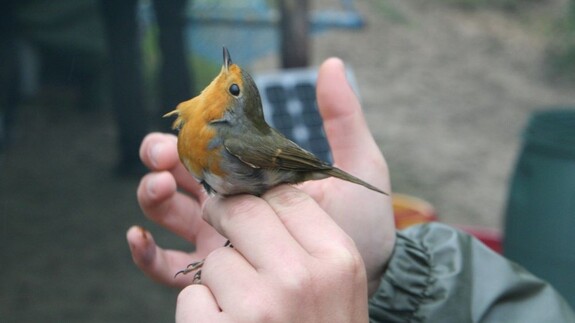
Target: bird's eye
pixel 234 89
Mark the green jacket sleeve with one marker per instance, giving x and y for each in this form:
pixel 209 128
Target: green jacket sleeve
pixel 439 274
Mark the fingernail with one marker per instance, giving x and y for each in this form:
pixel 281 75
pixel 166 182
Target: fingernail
pixel 344 71
pixel 143 232
pixel 342 65
pixel 155 153
pixel 151 186
pixel 346 76
pixel 132 247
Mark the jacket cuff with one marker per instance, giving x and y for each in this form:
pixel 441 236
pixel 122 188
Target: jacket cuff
pixel 404 286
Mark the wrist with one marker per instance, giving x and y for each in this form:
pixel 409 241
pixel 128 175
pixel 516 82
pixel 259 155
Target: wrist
pixel 404 282
pixel 375 275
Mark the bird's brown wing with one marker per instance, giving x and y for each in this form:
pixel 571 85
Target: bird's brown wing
pixel 278 152
pixel 274 151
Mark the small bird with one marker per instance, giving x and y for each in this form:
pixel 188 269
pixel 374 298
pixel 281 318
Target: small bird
pixel 226 144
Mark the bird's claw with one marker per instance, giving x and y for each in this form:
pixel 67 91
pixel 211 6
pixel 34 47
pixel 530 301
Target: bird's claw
pixel 194 266
pixel 197 267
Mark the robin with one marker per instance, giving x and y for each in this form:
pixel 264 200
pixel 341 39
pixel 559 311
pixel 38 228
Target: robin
pixel 226 144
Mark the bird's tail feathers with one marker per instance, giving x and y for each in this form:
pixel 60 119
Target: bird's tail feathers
pixel 336 172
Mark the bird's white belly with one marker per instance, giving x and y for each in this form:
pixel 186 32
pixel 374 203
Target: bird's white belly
pixel 245 184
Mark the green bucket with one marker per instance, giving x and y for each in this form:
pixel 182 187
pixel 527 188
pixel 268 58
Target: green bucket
pixel 540 215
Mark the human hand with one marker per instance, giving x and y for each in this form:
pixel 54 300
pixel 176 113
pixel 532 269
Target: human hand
pixel 290 263
pixel 177 210
pixel 364 215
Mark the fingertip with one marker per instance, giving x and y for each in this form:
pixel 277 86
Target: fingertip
pixel 146 142
pixel 142 246
pixel 159 151
pixel 156 187
pixel 349 137
pixel 136 234
pixel 334 63
pixel 335 95
pixel 158 264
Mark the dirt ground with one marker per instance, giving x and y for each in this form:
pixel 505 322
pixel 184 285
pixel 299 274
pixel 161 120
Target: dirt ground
pixel 446 92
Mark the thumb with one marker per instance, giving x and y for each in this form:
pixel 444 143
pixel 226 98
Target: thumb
pixel 349 137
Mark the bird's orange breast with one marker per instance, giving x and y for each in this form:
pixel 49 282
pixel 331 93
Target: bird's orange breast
pixel 196 137
pixel 197 133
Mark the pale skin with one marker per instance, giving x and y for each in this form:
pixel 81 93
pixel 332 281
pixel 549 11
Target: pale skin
pixel 313 252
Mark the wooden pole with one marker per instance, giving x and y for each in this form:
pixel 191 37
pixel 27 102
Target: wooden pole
pixel 294 31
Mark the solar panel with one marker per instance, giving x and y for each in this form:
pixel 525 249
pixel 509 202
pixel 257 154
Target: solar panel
pixel 290 106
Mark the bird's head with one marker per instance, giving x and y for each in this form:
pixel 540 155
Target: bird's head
pixel 233 90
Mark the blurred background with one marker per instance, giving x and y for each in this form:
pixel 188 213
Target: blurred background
pixel 448 87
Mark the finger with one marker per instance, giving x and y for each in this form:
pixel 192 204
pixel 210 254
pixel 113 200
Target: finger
pixel 159 152
pixel 253 228
pixel 161 202
pixel 229 276
pixel 155 262
pixel 349 137
pixel 197 304
pixel 306 221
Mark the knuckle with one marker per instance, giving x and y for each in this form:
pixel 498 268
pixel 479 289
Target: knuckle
pixel 241 209
pixel 348 260
pixel 244 206
pixel 297 279
pixel 230 208
pixel 216 264
pixel 261 313
pixel 286 196
pixel 343 255
pixel 348 263
pixel 213 258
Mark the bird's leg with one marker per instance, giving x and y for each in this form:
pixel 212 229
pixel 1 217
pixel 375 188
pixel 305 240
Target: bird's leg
pixel 197 267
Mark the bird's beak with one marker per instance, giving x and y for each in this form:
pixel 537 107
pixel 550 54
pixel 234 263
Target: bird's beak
pixel 227 59
pixel 171 113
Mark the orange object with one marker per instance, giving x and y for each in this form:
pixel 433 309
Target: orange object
pixel 409 210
